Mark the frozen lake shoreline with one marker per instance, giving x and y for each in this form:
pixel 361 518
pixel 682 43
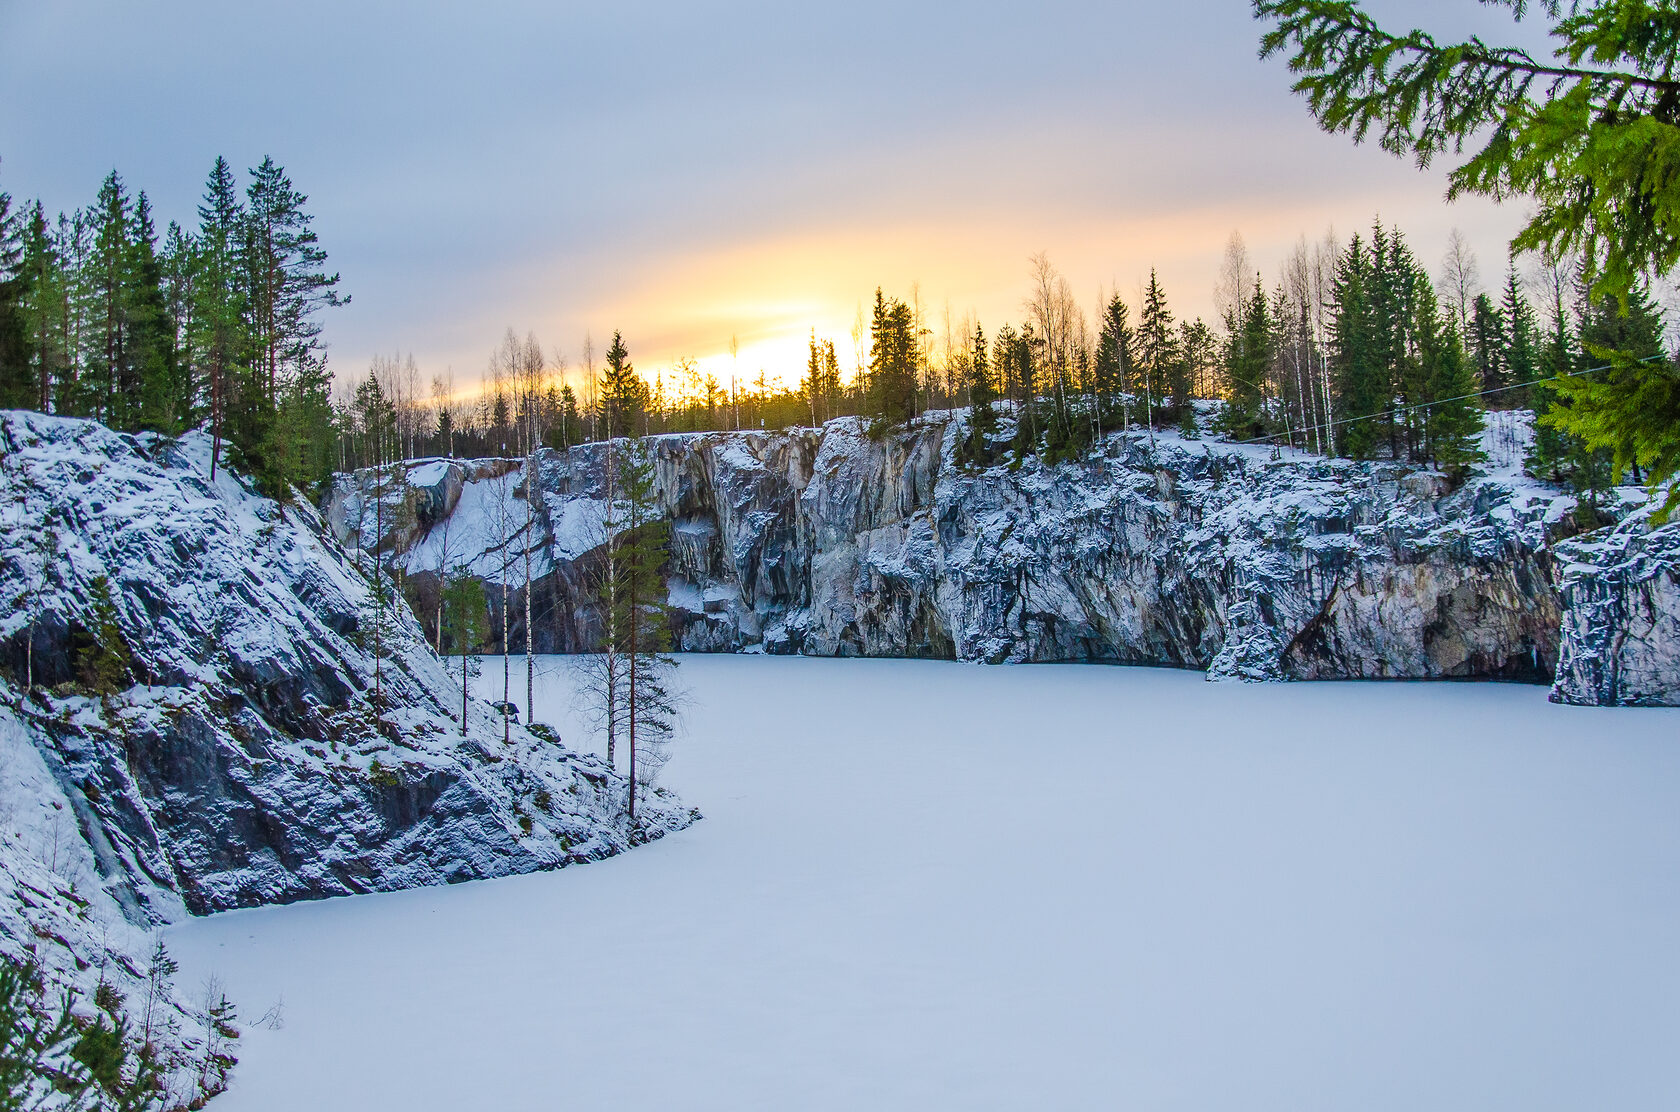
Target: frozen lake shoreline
pixel 928 885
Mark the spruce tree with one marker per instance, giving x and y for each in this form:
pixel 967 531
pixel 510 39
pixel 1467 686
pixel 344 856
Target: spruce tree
pixel 162 399
pixel 830 378
pixel 892 362
pixel 1557 456
pixel 982 419
pixel 219 341
pixel 1111 368
pixel 179 264
pixel 1452 421
pixel 1361 379
pixel 1522 355
pixel 623 396
pixel 465 611
pixel 107 383
pixel 38 1065
pixel 1489 344
pixel 283 406
pixel 46 305
pixel 1247 364
pixel 17 357
pixel 1631 409
pixel 1022 357
pixel 1157 342
pixel 1586 135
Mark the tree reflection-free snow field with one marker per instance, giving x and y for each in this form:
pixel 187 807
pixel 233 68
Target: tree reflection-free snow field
pixel 938 886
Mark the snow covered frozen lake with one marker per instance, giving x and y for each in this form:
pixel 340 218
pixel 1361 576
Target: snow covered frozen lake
pixel 938 886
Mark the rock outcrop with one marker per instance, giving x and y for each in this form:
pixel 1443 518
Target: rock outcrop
pixel 194 689
pixel 1161 551
pixel 1621 623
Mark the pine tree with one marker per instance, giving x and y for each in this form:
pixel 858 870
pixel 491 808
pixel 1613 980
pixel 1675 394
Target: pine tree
pixel 982 419
pixel 1199 349
pixel 830 378
pixel 625 684
pixel 1588 136
pixel 1489 343
pixel 1452 421
pixel 1522 356
pixel 1020 355
pixel 162 399
pixel 1556 456
pixel 105 664
pixel 108 386
pixel 464 610
pixel 1158 357
pixel 1361 380
pixel 623 396
pixel 1248 362
pixel 219 341
pixel 892 362
pixel 179 265
pixel 46 301
pixel 650 700
pixel 17 357
pixel 38 1066
pixel 1632 409
pixel 813 384
pixel 284 410
pixel 1111 369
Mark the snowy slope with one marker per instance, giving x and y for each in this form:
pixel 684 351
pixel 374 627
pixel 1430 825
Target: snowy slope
pixel 241 757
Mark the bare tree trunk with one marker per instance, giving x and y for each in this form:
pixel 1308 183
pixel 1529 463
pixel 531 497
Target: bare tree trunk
pixel 507 725
pixel 530 531
pixel 612 609
pixel 378 591
pixel 633 693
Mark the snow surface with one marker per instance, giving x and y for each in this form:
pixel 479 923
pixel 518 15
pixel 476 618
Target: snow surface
pixel 938 886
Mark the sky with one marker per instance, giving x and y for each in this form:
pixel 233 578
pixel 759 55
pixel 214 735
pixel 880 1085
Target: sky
pixel 691 172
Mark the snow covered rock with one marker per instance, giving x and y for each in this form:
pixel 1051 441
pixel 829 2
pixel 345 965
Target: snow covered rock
pixel 1238 560
pixel 1621 621
pixel 210 723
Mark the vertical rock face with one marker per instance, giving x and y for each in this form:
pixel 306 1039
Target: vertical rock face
pixel 217 715
pixel 1621 624
pixel 1199 555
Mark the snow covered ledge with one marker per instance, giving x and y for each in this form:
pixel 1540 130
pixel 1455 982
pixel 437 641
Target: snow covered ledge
pixel 1620 642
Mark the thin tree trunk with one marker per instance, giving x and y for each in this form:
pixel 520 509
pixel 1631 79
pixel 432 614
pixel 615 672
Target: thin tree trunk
pixel 378 590
pixel 612 612
pixel 530 530
pixel 507 726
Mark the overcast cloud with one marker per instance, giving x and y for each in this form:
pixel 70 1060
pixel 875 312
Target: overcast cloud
pixel 688 171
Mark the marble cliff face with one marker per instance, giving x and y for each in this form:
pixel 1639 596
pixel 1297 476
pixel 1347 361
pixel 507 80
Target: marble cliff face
pixel 1191 554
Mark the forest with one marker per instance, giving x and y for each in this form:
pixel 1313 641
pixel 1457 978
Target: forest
pixel 1354 348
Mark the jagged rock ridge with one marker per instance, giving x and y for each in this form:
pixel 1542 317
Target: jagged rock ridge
pixel 1154 551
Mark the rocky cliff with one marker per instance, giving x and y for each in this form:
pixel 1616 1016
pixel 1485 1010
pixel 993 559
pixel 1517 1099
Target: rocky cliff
pixel 193 694
pixel 1621 619
pixel 1237 560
